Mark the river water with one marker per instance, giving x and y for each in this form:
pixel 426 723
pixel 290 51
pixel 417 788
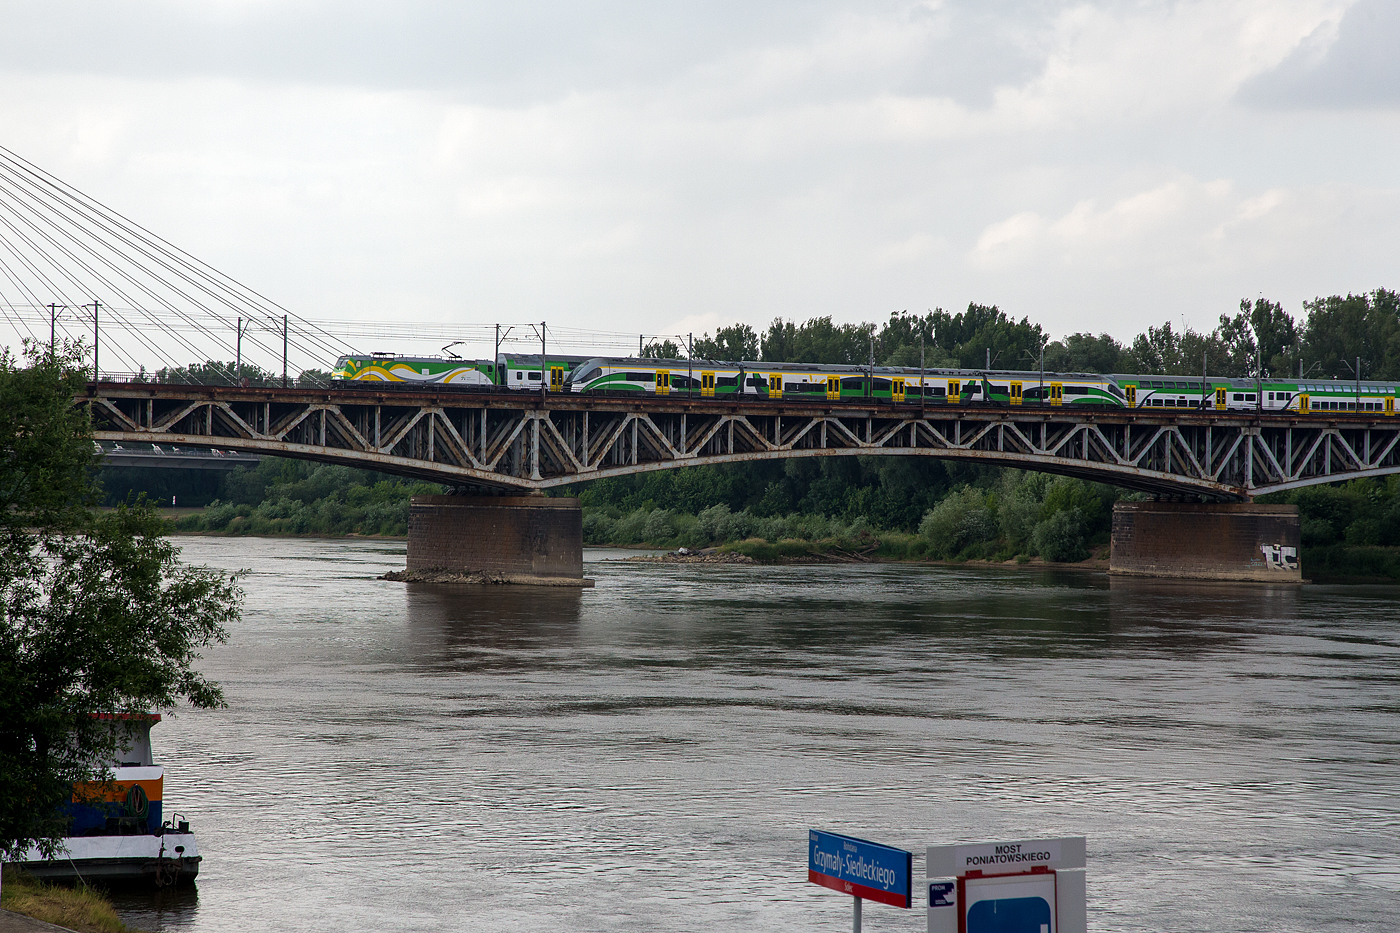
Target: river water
pixel 649 754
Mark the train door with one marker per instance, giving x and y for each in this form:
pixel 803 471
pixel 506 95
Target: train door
pixel 775 385
pixel 707 385
pixel 1130 394
pixel 1302 401
pixel 556 379
pixel 1390 404
pixel 1057 393
pixel 833 387
pixel 1015 393
pixel 1219 399
pixel 663 382
pixel 897 389
pixel 954 391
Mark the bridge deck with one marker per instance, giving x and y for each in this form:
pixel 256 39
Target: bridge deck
pixel 522 441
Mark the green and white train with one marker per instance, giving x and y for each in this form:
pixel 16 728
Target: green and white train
pixel 897 385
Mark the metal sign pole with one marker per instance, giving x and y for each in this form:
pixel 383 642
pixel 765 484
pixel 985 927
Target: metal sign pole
pixel 855 916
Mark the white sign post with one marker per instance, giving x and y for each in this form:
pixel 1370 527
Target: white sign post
pixel 1018 886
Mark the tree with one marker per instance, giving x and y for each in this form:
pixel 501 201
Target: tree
pixel 819 340
pixel 97 613
pixel 663 350
pixel 215 373
pixel 736 342
pixel 1085 353
pixel 1366 326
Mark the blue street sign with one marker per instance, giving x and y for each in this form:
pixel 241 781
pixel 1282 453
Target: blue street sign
pixel 860 868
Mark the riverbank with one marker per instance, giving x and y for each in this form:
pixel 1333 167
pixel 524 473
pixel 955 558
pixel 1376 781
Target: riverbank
pixel 799 552
pixel 81 909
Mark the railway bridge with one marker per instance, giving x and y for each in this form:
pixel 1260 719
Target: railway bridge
pixel 495 442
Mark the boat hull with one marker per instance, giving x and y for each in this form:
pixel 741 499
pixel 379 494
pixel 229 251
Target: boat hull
pixel 170 858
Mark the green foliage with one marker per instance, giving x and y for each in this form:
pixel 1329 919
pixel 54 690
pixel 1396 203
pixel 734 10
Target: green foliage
pixel 663 350
pixel 97 614
pixel 737 342
pixel 1359 512
pixel 890 492
pixel 1085 353
pixel 819 340
pixel 966 517
pixel 215 373
pixel 1056 518
pixel 1338 330
pixel 1061 536
pixel 293 497
pixel 218 373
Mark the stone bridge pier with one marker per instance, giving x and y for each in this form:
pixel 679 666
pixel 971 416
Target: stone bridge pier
pixel 496 539
pixel 1207 541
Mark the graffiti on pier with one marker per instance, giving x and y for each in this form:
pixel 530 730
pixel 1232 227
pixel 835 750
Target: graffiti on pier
pixel 1280 557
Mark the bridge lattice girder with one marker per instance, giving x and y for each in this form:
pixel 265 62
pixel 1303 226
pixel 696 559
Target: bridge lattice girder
pixel 523 442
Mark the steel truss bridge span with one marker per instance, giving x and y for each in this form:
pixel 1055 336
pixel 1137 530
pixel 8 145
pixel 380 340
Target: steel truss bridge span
pixel 527 442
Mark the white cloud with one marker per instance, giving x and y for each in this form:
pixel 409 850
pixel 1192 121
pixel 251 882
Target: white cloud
pixel 1058 159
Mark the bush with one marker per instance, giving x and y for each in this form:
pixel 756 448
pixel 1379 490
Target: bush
pixel 659 527
pixel 1060 537
pixel 960 520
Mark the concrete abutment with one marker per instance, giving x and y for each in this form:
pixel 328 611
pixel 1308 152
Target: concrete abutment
pixel 1207 541
pixel 499 539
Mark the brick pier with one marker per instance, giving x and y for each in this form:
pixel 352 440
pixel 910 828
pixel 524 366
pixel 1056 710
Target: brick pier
pixel 512 539
pixel 1207 541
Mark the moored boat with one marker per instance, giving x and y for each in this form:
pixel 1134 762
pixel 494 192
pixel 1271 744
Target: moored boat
pixel 118 830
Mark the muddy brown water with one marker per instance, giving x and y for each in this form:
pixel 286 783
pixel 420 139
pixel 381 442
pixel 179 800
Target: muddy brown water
pixel 649 754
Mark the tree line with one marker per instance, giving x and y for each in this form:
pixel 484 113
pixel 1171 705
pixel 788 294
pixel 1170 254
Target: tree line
pixel 1260 338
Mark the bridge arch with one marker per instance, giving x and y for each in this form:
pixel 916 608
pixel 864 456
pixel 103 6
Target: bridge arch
pixel 514 442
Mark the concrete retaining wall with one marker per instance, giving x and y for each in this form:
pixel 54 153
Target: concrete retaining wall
pixel 519 539
pixel 1207 541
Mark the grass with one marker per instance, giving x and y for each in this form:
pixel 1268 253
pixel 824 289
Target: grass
pixel 78 908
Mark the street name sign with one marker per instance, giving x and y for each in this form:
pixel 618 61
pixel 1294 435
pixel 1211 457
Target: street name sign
pixel 863 869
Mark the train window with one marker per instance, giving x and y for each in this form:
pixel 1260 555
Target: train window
pixel 882 385
pixel 1249 397
pixel 757 381
pixel 1237 397
pixel 592 374
pixel 727 381
pixel 534 377
pixel 1076 390
pixel 641 377
pixel 519 376
pixel 934 390
pixel 852 382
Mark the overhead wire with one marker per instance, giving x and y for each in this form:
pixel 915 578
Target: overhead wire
pixel 63 241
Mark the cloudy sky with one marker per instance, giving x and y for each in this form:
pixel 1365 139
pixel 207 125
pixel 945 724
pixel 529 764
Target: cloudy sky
pixel 664 166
